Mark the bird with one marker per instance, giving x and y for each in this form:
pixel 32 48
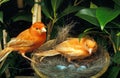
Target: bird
pixel 77 49
pixel 72 49
pixel 27 41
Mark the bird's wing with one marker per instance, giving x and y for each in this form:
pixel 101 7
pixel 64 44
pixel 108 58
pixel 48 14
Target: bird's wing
pixel 69 45
pixel 20 42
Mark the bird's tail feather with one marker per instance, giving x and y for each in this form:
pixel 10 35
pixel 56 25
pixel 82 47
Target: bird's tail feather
pixel 4 53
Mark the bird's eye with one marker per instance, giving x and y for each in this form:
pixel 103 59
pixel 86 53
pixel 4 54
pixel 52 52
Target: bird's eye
pixel 87 45
pixel 37 28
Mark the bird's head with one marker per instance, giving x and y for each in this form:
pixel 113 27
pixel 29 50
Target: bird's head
pixel 38 28
pixel 91 45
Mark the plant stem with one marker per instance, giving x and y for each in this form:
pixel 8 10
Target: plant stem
pixel 76 3
pixel 4 38
pixel 50 25
pixel 4 46
pixel 114 47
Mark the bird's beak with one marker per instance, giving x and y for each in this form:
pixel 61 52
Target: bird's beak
pixel 90 51
pixel 43 29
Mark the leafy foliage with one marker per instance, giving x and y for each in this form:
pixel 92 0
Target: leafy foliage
pixel 97 18
pixel 89 15
pixel 22 16
pixel 116 58
pixel 113 72
pixel 105 15
pixel 105 18
pixel 1 16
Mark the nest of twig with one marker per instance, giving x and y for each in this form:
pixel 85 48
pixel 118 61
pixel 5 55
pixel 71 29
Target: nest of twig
pixel 58 66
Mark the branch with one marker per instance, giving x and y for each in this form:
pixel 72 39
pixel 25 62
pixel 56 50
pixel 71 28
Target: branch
pixel 7 72
pixel 36 12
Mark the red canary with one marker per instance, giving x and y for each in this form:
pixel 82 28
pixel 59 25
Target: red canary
pixel 73 49
pixel 26 41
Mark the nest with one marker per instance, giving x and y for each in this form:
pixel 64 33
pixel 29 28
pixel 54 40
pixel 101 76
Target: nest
pixel 58 67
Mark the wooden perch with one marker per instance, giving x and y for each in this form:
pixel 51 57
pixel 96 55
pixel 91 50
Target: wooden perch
pixel 36 12
pixel 4 38
pixel 4 45
pixel 20 4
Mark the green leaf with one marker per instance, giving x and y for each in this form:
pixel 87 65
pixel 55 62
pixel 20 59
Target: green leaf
pixel 82 35
pixel 105 15
pixel 116 6
pixel 3 1
pixel 1 16
pixel 68 10
pixel 92 5
pixel 4 67
pixel 22 16
pixel 87 30
pixel 118 34
pixel 45 10
pixel 1 35
pixel 117 2
pixel 113 72
pixel 116 58
pixel 117 41
pixel 55 4
pixel 89 15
